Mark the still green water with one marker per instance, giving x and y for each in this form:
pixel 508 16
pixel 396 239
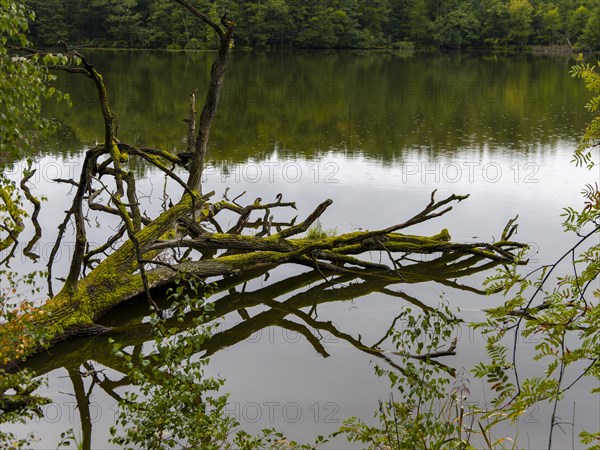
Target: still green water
pixel 376 105
pixel 375 132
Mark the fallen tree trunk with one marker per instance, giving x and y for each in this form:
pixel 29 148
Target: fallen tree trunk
pixel 75 312
pixel 292 296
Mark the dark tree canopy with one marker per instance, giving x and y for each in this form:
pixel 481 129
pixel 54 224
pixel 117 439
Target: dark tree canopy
pixel 322 23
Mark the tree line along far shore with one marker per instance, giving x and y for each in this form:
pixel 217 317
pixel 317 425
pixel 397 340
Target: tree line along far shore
pixel 263 24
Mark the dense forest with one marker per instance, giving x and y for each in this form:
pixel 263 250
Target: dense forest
pixel 322 23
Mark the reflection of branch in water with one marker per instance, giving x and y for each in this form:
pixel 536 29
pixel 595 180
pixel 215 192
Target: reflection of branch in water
pixel 11 223
pixel 83 405
pixel 359 345
pixel 303 292
pixel 450 351
pixel 83 398
pixel 291 304
pixel 28 174
pixel 10 241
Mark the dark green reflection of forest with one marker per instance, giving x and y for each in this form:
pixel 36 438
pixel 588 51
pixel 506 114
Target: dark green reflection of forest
pixel 380 105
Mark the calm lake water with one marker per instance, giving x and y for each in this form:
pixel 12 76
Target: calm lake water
pixel 376 133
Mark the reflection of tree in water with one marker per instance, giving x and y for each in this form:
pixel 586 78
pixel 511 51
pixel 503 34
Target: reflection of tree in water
pixel 306 104
pixel 289 304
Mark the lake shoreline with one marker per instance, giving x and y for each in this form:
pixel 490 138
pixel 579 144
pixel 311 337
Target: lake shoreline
pixel 563 50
